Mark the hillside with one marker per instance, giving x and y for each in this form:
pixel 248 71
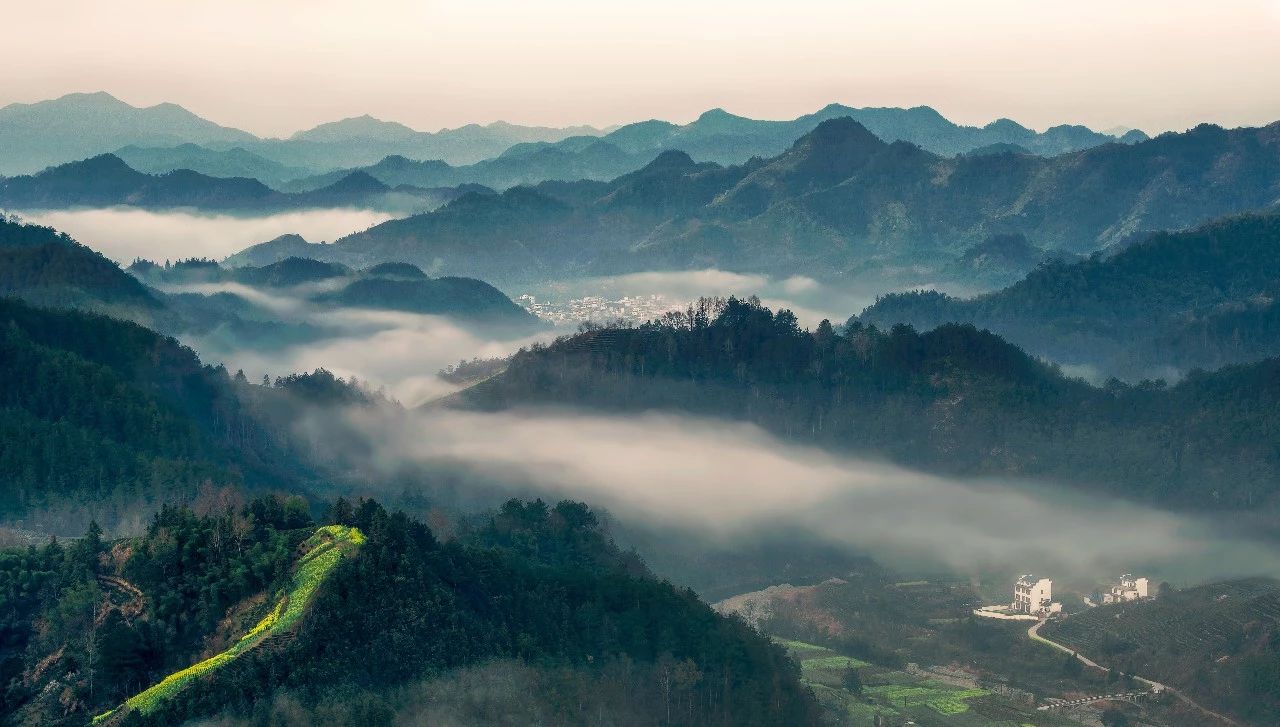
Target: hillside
pixel 838 204
pixel 46 267
pixel 106 180
pixel 1203 298
pixel 108 415
pixel 356 618
pixel 954 400
pixel 1218 643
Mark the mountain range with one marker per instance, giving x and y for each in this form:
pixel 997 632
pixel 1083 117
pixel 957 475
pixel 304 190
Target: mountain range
pixel 167 137
pixel 81 125
pixel 839 203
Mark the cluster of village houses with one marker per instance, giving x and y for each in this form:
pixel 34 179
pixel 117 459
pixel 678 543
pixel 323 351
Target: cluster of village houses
pixel 1033 597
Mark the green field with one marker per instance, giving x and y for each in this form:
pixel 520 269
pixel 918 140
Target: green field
pixel 902 696
pixel 324 550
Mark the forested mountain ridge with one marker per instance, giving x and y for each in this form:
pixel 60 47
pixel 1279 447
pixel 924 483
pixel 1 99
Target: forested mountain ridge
pixel 47 267
pixel 838 203
pixel 954 400
pixel 105 418
pixel 77 126
pixel 1202 298
pixel 106 180
pixel 530 590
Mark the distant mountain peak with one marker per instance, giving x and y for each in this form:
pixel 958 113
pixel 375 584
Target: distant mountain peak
pixel 357 181
pixel 839 132
pixel 670 160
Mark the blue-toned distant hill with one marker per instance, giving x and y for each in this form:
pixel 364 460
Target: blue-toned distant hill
pixel 722 137
pixel 167 137
pixel 79 125
pixel 840 203
pixel 234 162
pixel 106 180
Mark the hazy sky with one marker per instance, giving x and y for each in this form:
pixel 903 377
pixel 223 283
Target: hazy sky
pixel 274 66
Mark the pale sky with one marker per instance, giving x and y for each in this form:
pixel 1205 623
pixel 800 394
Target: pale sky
pixel 275 66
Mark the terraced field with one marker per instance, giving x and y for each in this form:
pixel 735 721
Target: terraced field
pixel 323 551
pixel 1206 620
pixel 900 696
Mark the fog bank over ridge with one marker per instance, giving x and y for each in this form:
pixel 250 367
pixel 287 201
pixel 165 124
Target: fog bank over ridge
pixel 728 480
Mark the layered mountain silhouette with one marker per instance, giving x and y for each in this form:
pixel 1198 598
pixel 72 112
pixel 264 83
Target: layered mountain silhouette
pixel 838 202
pixel 233 162
pixel 160 138
pixel 720 136
pixel 81 125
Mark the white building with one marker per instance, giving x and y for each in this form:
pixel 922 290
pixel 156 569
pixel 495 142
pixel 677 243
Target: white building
pixel 1128 589
pixel 1034 596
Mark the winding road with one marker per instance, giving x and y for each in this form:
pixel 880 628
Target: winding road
pixel 1034 634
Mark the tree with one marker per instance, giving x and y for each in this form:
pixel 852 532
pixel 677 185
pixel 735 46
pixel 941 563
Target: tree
pixel 852 681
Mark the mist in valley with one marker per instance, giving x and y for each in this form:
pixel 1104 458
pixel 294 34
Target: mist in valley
pixel 126 233
pixel 727 484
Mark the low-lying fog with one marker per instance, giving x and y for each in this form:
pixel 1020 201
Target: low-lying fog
pixel 719 478
pixel 730 480
pixel 402 352
pixel 126 233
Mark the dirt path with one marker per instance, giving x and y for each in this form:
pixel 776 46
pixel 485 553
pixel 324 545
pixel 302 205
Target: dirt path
pixel 1034 634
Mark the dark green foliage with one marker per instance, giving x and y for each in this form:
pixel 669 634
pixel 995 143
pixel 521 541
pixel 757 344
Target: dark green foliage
pixel 540 585
pixel 1219 643
pixel 72 616
pixel 100 411
pixel 954 400
pixel 1179 300
pixel 851 681
pixel 47 267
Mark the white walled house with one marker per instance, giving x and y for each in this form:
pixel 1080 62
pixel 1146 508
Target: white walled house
pixel 1128 589
pixel 1034 596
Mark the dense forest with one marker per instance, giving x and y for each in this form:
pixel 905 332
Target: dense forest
pixel 954 400
pixel 47 267
pixel 104 418
pixel 534 591
pixel 1173 301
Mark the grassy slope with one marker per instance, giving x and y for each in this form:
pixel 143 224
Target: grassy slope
pixel 324 550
